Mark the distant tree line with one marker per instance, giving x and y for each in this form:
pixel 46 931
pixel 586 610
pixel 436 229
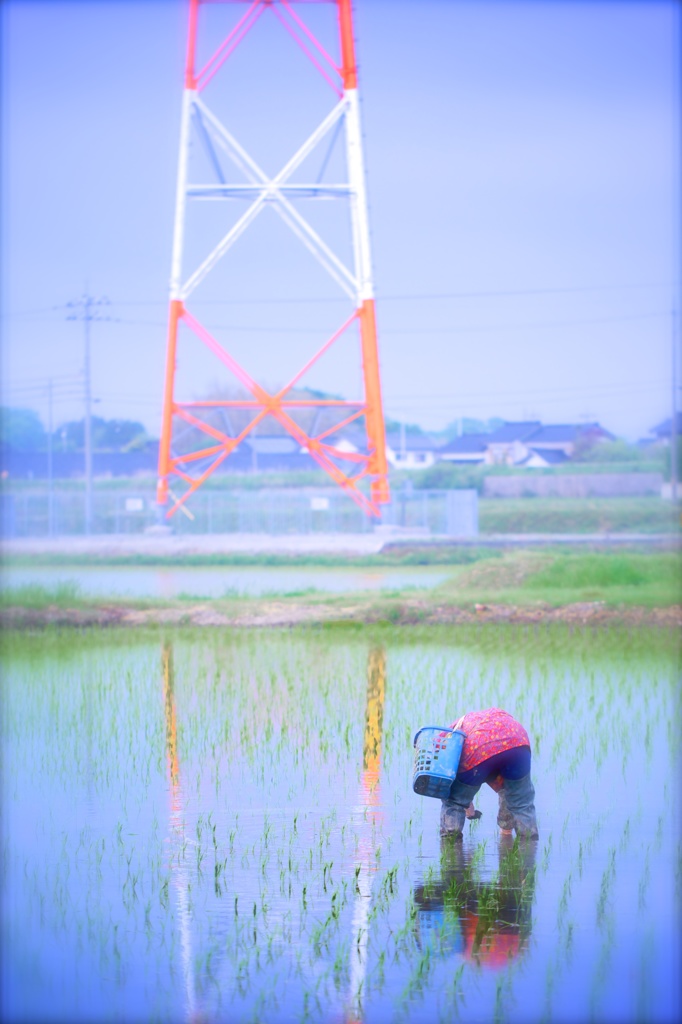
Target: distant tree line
pixel 22 430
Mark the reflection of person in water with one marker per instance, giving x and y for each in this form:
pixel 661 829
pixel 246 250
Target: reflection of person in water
pixel 497 751
pixel 489 923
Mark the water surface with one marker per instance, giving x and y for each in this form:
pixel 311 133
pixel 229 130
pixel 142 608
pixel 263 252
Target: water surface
pixel 219 826
pixel 167 582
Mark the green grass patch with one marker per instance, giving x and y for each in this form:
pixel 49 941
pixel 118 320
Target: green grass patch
pixel 568 572
pixel 559 578
pixel 400 555
pixel 578 515
pixel 65 594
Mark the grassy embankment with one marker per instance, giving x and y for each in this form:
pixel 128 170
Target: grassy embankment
pixel 396 556
pixel 531 580
pixel 578 515
pixel 559 578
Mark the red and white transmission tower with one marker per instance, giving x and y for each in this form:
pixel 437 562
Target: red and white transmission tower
pixel 278 192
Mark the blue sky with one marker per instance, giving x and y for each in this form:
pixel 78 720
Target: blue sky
pixel 520 162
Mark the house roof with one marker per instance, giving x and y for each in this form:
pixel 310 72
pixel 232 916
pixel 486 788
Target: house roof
pixel 462 459
pixel 555 433
pixel 663 429
pixel 552 456
pixel 563 433
pixel 465 444
pixel 510 432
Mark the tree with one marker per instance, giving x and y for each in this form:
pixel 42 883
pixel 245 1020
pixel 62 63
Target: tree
pixel 107 435
pixel 411 429
pixel 590 448
pixel 21 430
pixel 119 435
pixel 233 420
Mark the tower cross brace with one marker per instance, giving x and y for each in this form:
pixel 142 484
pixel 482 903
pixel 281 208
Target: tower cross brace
pixel 278 192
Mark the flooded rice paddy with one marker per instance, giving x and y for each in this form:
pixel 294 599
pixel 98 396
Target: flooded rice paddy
pixel 219 826
pixel 164 582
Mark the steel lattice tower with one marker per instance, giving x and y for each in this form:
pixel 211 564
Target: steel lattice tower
pixel 261 189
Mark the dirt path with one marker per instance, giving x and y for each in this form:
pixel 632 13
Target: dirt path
pixel 280 613
pixel 164 547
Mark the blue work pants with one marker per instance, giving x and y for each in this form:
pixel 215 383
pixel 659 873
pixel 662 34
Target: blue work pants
pixel 517 795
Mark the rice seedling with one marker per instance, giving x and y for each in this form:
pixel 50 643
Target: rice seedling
pixel 224 823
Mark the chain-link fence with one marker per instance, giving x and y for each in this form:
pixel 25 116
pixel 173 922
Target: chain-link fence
pixel 38 513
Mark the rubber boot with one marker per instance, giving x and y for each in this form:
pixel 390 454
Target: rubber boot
pixel 452 818
pixel 520 796
pixel 505 819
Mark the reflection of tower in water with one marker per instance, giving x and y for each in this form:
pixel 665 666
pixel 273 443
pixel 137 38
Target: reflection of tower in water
pixel 369 799
pixel 171 724
pixel 488 922
pixel 366 812
pixel 374 722
pixel 178 865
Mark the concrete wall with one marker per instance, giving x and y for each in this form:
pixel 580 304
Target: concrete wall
pixel 583 485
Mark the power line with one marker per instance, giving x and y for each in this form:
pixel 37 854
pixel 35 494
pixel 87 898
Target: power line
pixel 414 296
pixel 517 291
pixel 389 331
pixel 578 389
pixel 42 384
pixel 535 325
pixel 440 399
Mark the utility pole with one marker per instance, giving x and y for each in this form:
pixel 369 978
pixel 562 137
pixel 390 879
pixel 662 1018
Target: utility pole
pixel 50 494
pixel 87 440
pixel 673 418
pixel 676 245
pixel 87 309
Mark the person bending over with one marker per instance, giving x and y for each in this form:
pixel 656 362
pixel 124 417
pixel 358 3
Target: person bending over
pixel 497 751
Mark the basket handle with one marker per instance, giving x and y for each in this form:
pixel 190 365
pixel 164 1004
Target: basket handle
pixel 437 728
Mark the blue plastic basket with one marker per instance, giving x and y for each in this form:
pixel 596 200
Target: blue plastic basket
pixel 436 760
pixel 439 932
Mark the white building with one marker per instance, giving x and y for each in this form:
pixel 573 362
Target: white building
pixel 405 451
